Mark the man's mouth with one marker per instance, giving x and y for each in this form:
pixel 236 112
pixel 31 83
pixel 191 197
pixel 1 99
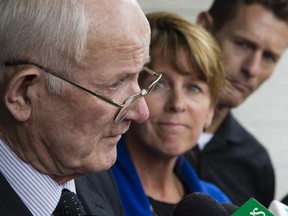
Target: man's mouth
pixel 240 86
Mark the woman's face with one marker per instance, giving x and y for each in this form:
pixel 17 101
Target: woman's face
pixel 179 109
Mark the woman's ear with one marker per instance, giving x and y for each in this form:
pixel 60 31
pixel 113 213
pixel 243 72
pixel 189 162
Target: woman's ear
pixel 16 97
pixel 209 118
pixel 205 20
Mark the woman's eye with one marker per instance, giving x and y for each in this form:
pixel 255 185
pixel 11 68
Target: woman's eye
pixel 162 85
pixel 194 88
pixel 159 85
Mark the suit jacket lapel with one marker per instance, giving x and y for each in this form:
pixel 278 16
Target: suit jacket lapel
pixel 99 195
pixel 10 202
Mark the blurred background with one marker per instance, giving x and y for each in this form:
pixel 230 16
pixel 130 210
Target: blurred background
pixel 265 113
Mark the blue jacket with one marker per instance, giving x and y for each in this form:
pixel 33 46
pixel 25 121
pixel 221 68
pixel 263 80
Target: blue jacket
pixel 133 197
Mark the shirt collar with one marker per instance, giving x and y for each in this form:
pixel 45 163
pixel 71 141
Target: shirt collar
pixel 38 191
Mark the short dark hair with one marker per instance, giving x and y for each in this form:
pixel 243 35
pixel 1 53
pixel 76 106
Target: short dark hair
pixel 225 10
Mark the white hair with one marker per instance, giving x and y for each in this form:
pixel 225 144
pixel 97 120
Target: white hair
pixel 48 32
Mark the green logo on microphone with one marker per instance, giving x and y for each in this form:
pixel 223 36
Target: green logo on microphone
pixel 252 208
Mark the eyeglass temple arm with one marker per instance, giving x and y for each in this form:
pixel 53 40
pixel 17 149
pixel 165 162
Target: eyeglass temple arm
pixel 14 63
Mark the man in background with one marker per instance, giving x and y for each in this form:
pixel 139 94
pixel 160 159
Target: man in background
pixel 67 68
pixel 253 35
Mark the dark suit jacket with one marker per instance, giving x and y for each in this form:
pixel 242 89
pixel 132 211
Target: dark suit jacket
pixel 236 162
pixel 97 193
pixel 285 200
pixel 10 203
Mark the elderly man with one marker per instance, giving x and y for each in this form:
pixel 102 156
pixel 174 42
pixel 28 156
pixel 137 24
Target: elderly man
pixel 69 90
pixel 253 35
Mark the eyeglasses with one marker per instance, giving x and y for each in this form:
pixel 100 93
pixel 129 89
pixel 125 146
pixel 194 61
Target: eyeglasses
pixel 124 108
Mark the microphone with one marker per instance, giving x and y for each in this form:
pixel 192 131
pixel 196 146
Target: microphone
pixel 230 208
pixel 199 204
pixel 252 208
pixel 278 208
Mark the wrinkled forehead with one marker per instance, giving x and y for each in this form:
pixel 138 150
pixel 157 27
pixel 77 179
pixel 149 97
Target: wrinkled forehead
pixel 110 20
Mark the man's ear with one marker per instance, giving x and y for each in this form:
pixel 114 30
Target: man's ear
pixel 205 20
pixel 16 97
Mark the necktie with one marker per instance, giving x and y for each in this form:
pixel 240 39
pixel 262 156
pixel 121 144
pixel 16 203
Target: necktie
pixel 69 205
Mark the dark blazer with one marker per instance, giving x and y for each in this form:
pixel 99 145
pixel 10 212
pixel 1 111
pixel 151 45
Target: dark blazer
pixel 285 200
pixel 97 193
pixel 237 163
pixel 10 203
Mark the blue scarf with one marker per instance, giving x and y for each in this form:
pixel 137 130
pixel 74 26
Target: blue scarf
pixel 132 194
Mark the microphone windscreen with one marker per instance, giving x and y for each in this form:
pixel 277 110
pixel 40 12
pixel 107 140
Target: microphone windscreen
pixel 230 208
pixel 199 204
pixel 278 208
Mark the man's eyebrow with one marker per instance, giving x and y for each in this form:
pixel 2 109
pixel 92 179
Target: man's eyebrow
pixel 254 45
pixel 123 76
pixel 246 40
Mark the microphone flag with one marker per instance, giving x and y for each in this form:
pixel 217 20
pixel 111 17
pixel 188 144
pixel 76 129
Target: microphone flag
pixel 252 208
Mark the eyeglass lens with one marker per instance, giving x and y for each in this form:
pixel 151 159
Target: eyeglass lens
pixel 145 81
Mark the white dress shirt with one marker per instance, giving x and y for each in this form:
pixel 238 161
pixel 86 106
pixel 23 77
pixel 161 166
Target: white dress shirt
pixel 204 139
pixel 38 191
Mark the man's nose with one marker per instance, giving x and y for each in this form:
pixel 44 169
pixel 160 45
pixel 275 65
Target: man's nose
pixel 252 65
pixel 140 112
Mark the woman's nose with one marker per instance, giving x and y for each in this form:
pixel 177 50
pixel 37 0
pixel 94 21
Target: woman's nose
pixel 175 101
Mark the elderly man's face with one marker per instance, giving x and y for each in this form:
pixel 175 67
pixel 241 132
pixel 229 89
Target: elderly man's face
pixel 76 131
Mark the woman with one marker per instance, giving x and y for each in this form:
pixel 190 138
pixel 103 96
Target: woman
pixel 151 174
